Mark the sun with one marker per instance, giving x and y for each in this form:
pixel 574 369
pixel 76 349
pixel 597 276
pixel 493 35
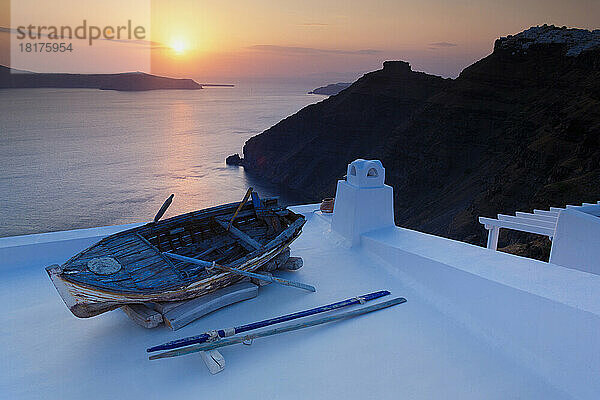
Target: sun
pixel 179 46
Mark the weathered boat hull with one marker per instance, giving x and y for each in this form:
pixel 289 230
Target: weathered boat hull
pixel 87 299
pixel 85 302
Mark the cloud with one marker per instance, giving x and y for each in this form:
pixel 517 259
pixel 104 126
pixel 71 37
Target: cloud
pixel 313 24
pixel 269 48
pixel 140 42
pixel 442 44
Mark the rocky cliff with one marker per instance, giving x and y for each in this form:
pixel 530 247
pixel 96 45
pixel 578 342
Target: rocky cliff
pixel 517 130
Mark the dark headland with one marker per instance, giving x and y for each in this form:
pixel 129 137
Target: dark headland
pixel 331 89
pixel 130 82
pixel 517 130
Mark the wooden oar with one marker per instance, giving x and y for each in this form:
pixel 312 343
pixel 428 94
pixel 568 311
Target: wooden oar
pixel 270 332
pixel 207 264
pixel 164 207
pixel 246 197
pixel 267 322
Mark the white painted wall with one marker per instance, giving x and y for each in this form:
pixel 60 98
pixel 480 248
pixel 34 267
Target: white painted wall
pixel 576 243
pixel 557 341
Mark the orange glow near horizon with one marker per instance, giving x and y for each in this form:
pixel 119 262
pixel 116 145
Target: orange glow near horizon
pixel 334 39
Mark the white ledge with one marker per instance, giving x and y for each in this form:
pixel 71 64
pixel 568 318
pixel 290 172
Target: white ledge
pixel 50 237
pixel 568 286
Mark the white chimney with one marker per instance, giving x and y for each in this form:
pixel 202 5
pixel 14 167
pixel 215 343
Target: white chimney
pixel 363 202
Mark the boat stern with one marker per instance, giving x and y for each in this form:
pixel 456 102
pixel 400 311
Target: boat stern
pixel 75 304
pixel 55 272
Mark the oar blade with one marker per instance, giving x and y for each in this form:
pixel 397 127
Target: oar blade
pixel 163 209
pixel 300 285
pixel 267 278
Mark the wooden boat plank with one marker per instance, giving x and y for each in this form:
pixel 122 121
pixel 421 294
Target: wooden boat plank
pixel 190 232
pixel 205 255
pixel 229 254
pixel 82 264
pixel 239 234
pixel 157 263
pixel 123 279
pixel 159 253
pixel 126 249
pixel 103 251
pixel 141 265
pixel 208 251
pixel 128 253
pixel 130 284
pixel 259 234
pixel 120 241
pixel 150 279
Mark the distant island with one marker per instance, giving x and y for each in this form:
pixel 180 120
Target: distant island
pixel 126 82
pixel 331 89
pixel 517 130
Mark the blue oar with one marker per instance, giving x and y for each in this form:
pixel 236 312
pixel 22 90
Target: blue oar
pixel 275 331
pixel 207 264
pixel 261 324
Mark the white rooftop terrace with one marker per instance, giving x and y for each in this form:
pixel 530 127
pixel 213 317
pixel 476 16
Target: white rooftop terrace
pixel 478 324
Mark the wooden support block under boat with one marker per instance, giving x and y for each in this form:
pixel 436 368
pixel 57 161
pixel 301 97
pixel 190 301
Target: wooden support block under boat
pixel 167 306
pixel 143 315
pixel 181 313
pixel 191 310
pixel 283 261
pixel 277 262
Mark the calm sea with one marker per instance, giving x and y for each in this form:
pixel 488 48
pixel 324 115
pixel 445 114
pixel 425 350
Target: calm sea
pixel 82 158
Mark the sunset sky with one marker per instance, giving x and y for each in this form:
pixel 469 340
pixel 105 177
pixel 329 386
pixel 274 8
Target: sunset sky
pixel 321 39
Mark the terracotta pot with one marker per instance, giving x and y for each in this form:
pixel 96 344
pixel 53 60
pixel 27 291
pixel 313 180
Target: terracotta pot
pixel 327 205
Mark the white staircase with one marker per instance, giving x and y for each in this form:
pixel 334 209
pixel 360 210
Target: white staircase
pixel 541 222
pixel 574 231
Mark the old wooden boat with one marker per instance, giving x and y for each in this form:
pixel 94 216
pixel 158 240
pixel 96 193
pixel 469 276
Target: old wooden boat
pixel 132 267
